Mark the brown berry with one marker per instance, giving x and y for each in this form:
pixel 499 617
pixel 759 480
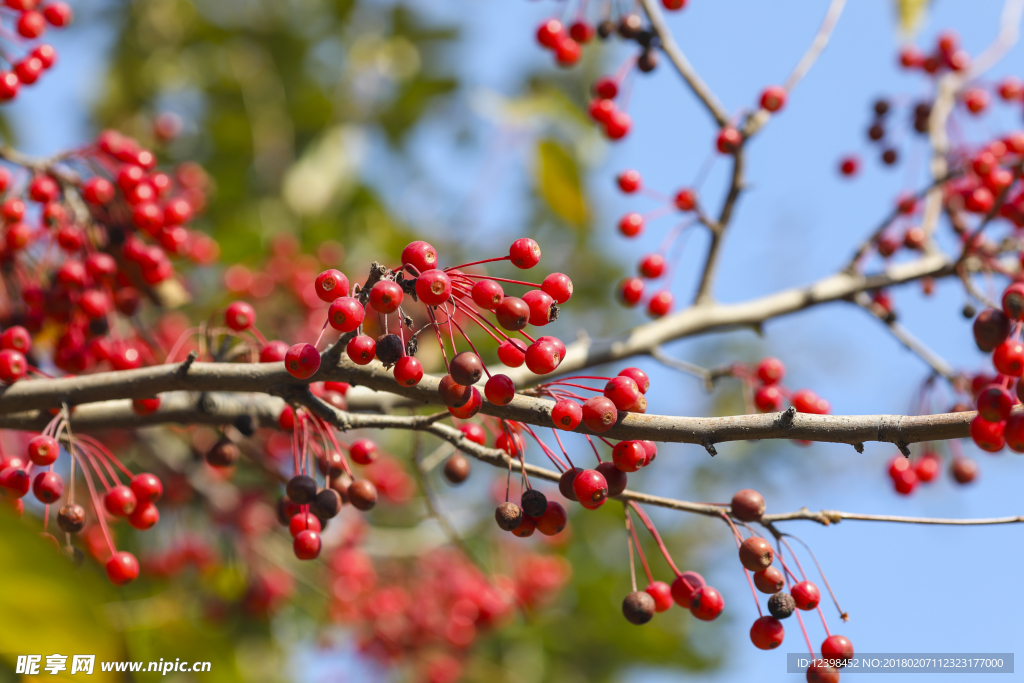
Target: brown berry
pixel 223 454
pixel 456 469
pixel 638 607
pixel 534 503
pixel 327 504
pixel 71 518
pixel 301 489
pixel 565 483
pixel 747 505
pixel 508 516
pixel 362 494
pixel 453 394
pixel 756 554
pixel 781 605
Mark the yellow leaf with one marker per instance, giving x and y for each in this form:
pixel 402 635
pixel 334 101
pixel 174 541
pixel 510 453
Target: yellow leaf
pixel 911 13
pixel 559 180
pixel 48 607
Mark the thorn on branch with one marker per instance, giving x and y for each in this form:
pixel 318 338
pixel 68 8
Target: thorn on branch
pixel 710 448
pixel 904 449
pixel 859 447
pixel 187 363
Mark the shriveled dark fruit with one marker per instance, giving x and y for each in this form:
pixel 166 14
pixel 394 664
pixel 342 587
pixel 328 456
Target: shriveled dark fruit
pixel 781 605
pixel 301 489
pixel 466 368
pixel 73 555
pixel 389 349
pixel 327 504
pixel 647 61
pixel 630 26
pixel 534 503
pixel 508 516
pixel 453 394
pixel 991 328
pixel 341 484
pixel 747 505
pixel 638 607
pixel 456 470
pixel 565 483
pixel 615 477
pixel 605 28
pixel 223 454
pixel 71 518
pixel 362 494
pixel 756 553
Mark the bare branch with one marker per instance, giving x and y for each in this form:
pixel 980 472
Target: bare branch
pixel 905 337
pixel 827 517
pixel 682 64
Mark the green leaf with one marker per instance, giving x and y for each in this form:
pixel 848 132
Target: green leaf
pixel 911 13
pixel 48 606
pixel 559 179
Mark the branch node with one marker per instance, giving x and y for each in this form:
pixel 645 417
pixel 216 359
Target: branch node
pixel 710 448
pixel 904 449
pixel 859 447
pixel 786 418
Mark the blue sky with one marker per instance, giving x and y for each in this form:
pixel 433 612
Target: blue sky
pixel 907 588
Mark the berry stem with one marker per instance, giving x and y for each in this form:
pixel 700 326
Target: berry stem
pixel 639 549
pixel 498 279
pixel 477 263
pixel 95 502
pixel 657 538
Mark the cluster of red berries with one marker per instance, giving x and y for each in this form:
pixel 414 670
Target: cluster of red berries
pixel 999 332
pixel 30 21
pixel 906 473
pixel 428 613
pixel 769 393
pixel 79 271
pixel 459 295
pixel 135 502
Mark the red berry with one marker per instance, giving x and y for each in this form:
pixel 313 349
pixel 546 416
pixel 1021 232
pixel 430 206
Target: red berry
pixel 591 489
pixel 1013 301
pixel 361 349
pixel 706 603
pixel 976 100
pixel 988 435
pixel 567 414
pixel 307 545
pixel 346 314
pixel 599 414
pixel 302 361
pixel 471 407
pixel 629 181
pixel 527 525
pixel 1009 358
pixel 43 450
pixel 643 382
pixel 330 285
pixel 629 456
pixel 542 357
pixel 122 568
pixel 607 88
pixel 767 633
pixel 684 587
pixel 820 672
pixel 622 391
pixel 550 33
pixel 145 516
pixel 771 370
pixel 631 290
pixel 773 99
pixel 553 520
pixel 582 32
pixel 32 24
pixel 487 294
pixel 631 224
pixel 273 352
pixel 756 553
pixel 48 487
pixel 660 303
pixel 147 487
pixel 434 287
pixel 729 140
pixel 9 84
pixel 601 110
pixel 240 316
pixel 618 124
pixel 769 580
pixel 994 403
pixel 500 390
pixel 849 166
pixel 512 313
pixel 557 286
pixel 512 353
pixel 14 481
pixel 1010 88
pixel 120 501
pixel 662 594
pixel 673 5
pixel 386 296
pixel 420 255
pixel 806 595
pixel 43 189
pixel 13 366
pixel 686 200
pixel 513 445
pixel 652 266
pixel 363 451
pixel 59 14
pixel 540 304
pixel 17 338
pixel 408 371
pixel 837 647
pixel 524 253
pixel 146 406
pixel 474 433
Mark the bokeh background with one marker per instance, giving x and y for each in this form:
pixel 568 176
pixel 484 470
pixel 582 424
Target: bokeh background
pixel 369 122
